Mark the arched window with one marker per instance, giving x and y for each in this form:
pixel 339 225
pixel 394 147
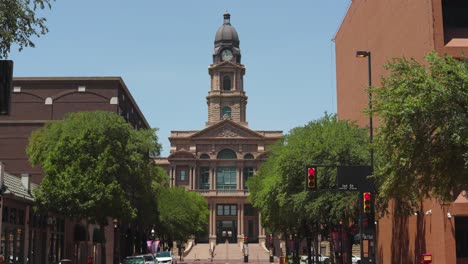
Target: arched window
pixel 226 83
pixel 204 156
pixel 248 156
pixel 226 113
pixel 227 154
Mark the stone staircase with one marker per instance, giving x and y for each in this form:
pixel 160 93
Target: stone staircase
pixel 227 252
pixel 199 252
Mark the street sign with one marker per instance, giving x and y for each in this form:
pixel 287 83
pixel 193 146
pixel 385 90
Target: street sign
pixel 354 178
pixel 348 187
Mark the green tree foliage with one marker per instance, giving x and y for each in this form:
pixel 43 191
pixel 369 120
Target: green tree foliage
pixel 278 189
pixel 18 22
pixel 182 213
pixel 423 137
pixel 96 166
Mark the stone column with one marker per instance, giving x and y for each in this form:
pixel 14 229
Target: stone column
pixel 261 231
pixel 241 180
pixel 213 172
pixel 190 174
pixel 172 176
pixel 242 218
pixel 212 227
pixel 238 177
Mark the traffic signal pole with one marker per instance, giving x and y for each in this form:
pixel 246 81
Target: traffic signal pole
pixel 353 178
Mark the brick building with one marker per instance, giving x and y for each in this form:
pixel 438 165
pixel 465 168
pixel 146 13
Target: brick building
pixel 34 102
pixel 399 28
pixel 217 160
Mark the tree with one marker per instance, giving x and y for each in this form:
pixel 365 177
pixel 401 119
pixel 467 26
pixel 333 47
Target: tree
pixel 18 22
pixel 278 189
pixel 423 137
pixel 182 213
pixel 96 166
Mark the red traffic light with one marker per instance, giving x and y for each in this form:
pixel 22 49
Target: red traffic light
pixel 366 202
pixel 311 177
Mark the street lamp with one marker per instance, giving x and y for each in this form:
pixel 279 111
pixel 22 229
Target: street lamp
pixel 367 54
pixel 364 54
pixel 116 241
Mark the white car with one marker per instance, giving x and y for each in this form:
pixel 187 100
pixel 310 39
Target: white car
pixel 356 259
pixel 322 259
pixel 166 257
pixel 149 259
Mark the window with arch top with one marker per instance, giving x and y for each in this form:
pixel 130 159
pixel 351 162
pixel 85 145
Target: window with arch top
pixel 227 154
pixel 226 113
pixel 204 156
pixel 227 83
pixel 248 156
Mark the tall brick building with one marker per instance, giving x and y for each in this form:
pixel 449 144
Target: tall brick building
pixel 218 160
pixel 26 235
pixel 399 28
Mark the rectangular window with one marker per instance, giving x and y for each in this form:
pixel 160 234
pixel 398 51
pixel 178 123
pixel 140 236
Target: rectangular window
pixel 226 209
pixel 248 172
pixel 204 183
pixel 461 236
pixel 248 210
pixel 182 175
pixel 226 178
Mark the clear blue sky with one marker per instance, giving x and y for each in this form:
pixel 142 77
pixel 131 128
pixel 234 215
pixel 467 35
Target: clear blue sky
pixel 162 50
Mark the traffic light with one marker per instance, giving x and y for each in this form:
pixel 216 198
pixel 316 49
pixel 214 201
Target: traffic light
pixel 311 178
pixel 367 203
pixel 246 240
pixel 6 84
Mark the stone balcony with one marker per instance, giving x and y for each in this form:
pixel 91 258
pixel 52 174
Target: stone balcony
pixel 218 193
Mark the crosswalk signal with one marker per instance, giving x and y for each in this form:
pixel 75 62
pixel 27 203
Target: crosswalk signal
pixel 311 178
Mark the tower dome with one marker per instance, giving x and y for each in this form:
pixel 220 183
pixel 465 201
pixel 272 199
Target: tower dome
pixel 226 34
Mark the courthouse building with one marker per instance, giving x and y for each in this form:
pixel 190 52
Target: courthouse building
pixel 400 28
pixel 217 160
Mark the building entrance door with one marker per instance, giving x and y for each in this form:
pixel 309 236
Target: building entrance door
pixel 227 231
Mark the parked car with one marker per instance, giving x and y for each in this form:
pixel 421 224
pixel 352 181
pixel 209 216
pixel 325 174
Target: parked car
pixel 149 258
pixel 134 260
pixel 322 259
pixel 356 259
pixel 166 257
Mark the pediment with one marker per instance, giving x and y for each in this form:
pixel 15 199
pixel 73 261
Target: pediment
pixel 227 129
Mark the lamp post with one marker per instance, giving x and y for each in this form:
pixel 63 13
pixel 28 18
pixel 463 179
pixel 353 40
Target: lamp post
pixel 116 241
pixel 367 54
pixel 373 241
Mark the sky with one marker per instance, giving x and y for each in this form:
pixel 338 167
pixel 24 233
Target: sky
pixel 162 51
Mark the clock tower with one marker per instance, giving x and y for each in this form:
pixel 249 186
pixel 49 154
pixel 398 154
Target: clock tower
pixel 226 98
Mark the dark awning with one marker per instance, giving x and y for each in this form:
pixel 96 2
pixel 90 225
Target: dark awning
pixel 80 232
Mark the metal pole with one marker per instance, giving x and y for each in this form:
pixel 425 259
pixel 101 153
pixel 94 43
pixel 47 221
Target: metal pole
pixel 371 130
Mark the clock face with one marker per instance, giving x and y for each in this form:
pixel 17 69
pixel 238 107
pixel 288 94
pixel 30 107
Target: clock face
pixel 226 55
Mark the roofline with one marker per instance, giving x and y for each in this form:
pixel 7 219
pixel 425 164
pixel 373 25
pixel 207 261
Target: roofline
pixel 342 20
pixel 91 78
